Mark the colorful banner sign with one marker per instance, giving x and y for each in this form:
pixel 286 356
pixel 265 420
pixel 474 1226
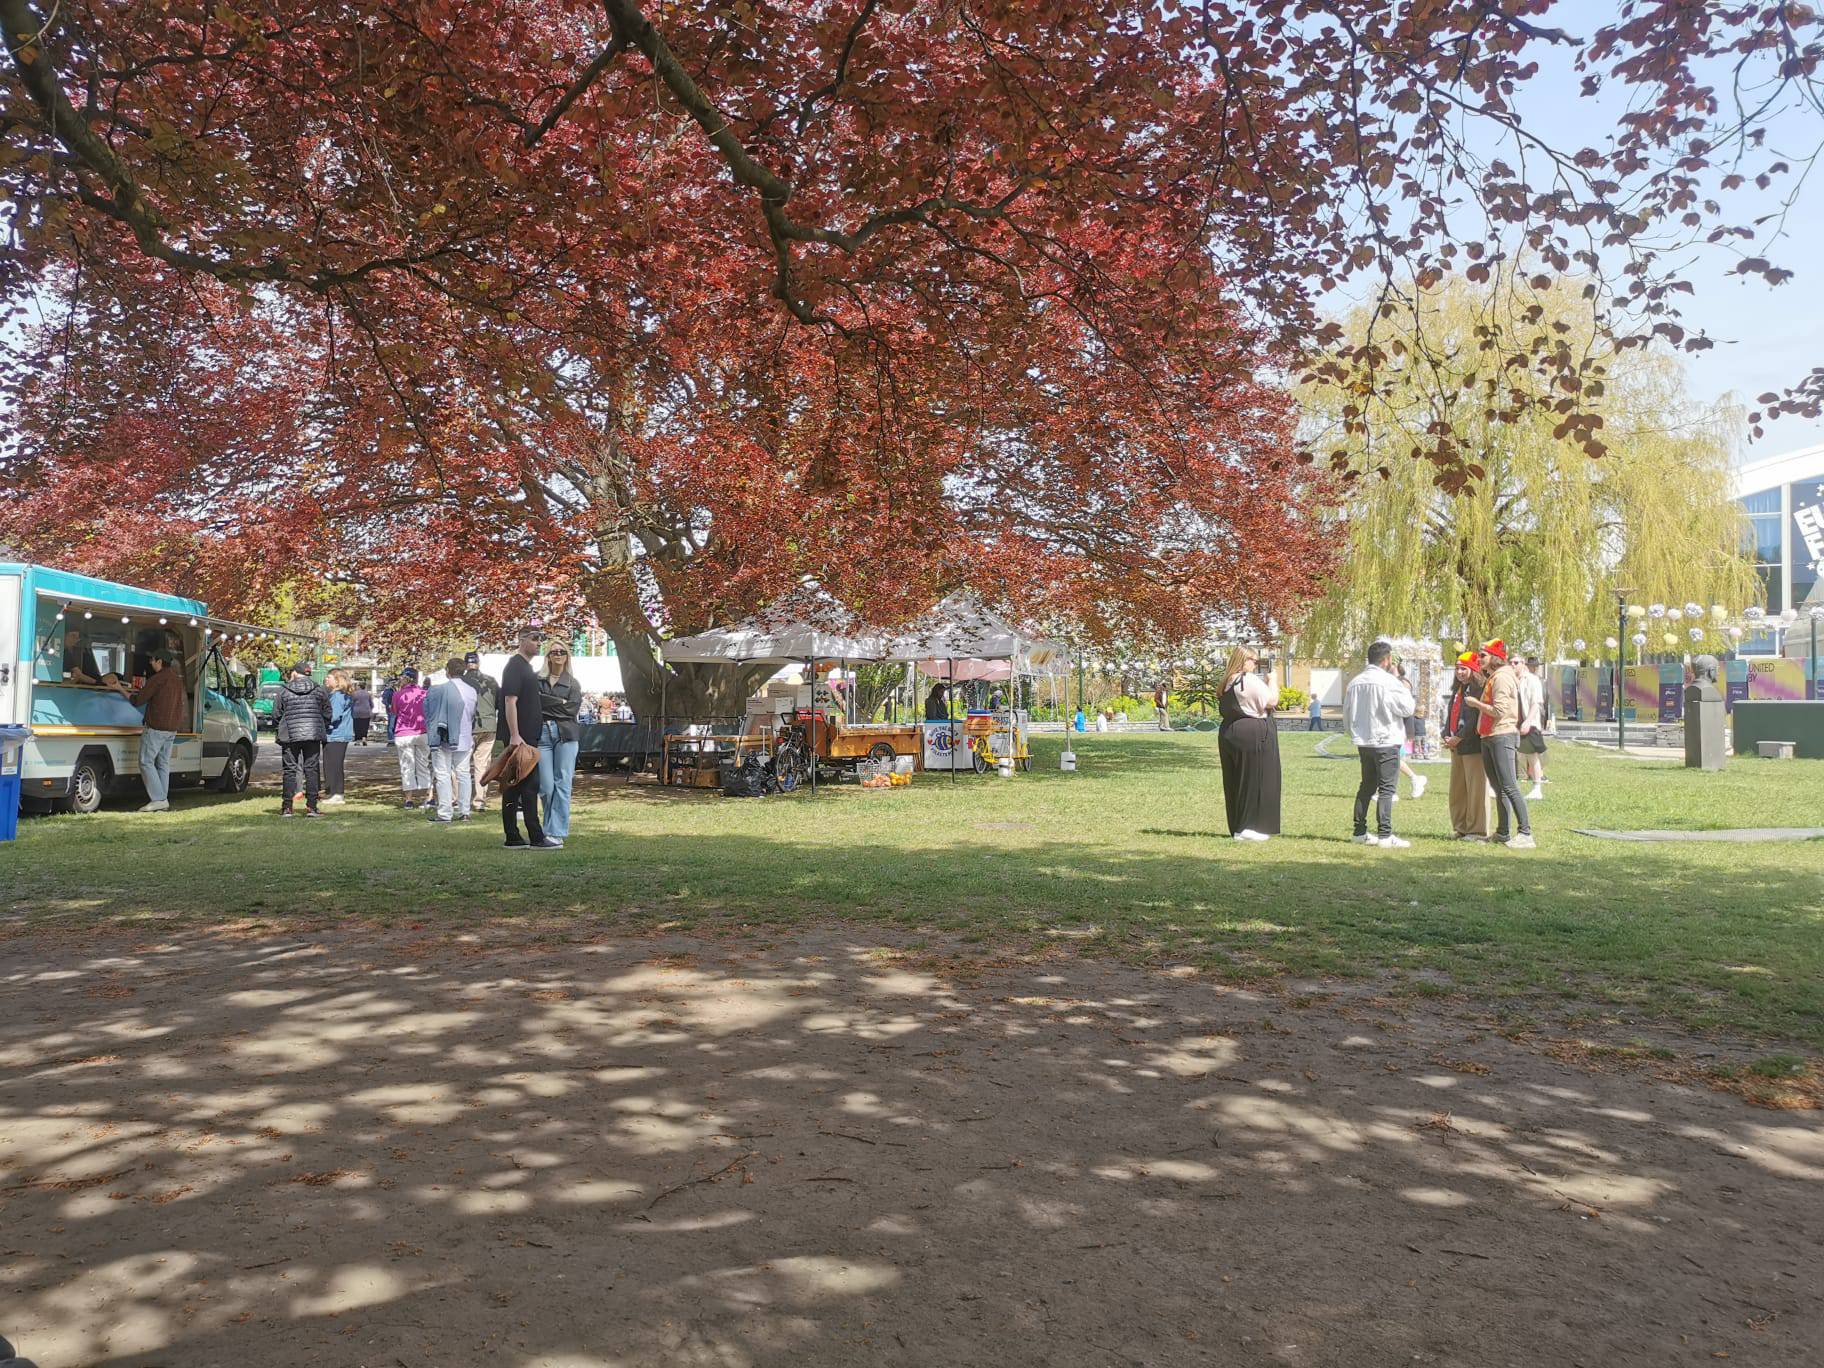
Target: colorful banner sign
pixel 1776 681
pixel 1735 683
pixel 1671 691
pixel 1640 697
pixel 1807 499
pixel 1605 694
pixel 1589 694
pixel 1567 693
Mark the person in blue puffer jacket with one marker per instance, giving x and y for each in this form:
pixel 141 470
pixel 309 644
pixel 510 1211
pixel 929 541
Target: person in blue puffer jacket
pixel 341 733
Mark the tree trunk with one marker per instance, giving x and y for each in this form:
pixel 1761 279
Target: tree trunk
pixel 653 688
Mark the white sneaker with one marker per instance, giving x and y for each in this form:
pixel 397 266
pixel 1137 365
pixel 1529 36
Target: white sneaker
pixel 1249 834
pixel 1367 838
pixel 1536 794
pixel 334 800
pixel 159 806
pixel 1418 785
pixel 1394 843
pixel 1523 842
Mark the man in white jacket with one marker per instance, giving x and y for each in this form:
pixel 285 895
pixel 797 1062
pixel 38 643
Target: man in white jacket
pixel 1375 708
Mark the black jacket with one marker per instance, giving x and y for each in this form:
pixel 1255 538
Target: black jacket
pixel 1468 741
pixel 301 711
pixel 560 700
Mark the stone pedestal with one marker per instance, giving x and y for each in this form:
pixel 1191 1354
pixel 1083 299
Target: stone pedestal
pixel 1704 718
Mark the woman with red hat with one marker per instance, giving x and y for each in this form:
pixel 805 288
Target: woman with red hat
pixel 1468 782
pixel 1499 730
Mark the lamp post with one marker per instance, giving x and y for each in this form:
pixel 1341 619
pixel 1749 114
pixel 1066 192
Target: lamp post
pixel 1621 665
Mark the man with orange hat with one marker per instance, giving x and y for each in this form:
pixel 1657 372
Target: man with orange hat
pixel 1499 730
pixel 1468 781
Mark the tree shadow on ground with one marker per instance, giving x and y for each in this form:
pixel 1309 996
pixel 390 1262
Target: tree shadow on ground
pixel 368 1147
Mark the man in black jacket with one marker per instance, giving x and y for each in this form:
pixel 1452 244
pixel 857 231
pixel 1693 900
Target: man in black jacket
pixel 300 719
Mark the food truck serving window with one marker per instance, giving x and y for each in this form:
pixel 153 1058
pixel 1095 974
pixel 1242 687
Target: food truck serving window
pixel 69 643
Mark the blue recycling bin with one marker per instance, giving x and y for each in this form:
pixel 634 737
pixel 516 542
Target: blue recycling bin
pixel 12 765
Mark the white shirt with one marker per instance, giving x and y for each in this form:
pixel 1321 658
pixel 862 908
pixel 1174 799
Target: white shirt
pixel 1532 702
pixel 1375 708
pixel 1254 696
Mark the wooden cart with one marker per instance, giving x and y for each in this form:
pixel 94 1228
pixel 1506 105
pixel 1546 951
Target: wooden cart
pixel 850 744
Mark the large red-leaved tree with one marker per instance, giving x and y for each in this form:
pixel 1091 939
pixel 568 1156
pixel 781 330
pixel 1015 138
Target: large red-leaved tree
pixel 499 310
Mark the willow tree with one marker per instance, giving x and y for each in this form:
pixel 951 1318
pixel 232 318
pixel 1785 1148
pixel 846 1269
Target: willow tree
pixel 1528 536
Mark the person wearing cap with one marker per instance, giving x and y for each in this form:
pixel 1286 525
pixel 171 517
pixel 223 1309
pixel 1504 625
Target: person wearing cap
pixel 407 710
pixel 1375 708
pixel 300 720
pixel 522 722
pixel 487 718
pixel 1468 780
pixel 1499 730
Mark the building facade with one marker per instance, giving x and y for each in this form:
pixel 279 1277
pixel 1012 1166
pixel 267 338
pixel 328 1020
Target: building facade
pixel 1783 497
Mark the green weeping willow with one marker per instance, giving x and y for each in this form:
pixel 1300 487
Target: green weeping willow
pixel 1532 548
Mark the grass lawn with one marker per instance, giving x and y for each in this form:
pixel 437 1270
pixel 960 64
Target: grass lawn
pixel 1126 857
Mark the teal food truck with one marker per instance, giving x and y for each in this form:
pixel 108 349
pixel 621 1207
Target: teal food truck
pixel 67 639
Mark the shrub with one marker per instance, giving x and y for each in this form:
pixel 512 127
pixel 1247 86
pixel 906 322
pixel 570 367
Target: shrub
pixel 1293 700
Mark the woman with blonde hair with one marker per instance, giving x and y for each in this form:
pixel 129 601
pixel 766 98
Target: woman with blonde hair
pixel 1249 747
pixel 341 687
pixel 560 698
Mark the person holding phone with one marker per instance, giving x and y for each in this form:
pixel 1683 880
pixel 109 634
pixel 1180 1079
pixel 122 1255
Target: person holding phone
pixel 1249 747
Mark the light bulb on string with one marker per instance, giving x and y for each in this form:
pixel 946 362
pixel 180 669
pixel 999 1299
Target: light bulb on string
pixel 86 615
pixel 1610 643
pixel 1735 633
pixel 1639 638
pixel 1656 611
pixel 1577 645
pixel 1675 614
pixel 1694 610
pixel 1697 633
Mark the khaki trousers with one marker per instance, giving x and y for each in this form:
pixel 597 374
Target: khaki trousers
pixel 1469 795
pixel 485 750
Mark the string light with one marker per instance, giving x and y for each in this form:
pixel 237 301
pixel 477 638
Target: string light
pixel 86 615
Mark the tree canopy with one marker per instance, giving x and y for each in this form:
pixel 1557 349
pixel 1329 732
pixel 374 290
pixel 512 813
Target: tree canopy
pixel 562 302
pixel 1532 548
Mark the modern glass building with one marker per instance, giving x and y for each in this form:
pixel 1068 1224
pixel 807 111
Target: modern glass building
pixel 1784 499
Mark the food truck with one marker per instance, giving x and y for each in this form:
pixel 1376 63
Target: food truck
pixel 67 641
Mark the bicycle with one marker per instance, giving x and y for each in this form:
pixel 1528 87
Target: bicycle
pixel 791 757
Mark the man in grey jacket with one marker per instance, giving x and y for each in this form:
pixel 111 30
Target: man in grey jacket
pixel 1375 708
pixel 487 718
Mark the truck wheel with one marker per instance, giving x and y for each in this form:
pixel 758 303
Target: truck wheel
pixel 881 750
pixel 238 770
pixel 88 782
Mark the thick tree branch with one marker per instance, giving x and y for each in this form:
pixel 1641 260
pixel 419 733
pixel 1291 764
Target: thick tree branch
pixel 535 134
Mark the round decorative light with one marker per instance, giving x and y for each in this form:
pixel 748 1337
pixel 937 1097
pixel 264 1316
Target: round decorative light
pixel 1694 610
pixel 193 622
pixel 1817 612
pixel 1577 645
pixel 1718 612
pixel 59 617
pixel 1656 611
pixel 1696 633
pixel 1675 614
pixel 164 622
pixel 1670 638
pixel 1610 642
pixel 1639 638
pixel 1735 634
pixel 1788 616
pixel 86 615
pixel 1636 611
pixel 1752 614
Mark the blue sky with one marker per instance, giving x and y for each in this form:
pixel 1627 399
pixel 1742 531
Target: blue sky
pixel 1766 338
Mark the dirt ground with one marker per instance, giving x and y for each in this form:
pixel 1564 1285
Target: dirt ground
pixel 398 1150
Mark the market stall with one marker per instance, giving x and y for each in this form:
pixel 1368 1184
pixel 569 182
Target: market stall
pixel 962 642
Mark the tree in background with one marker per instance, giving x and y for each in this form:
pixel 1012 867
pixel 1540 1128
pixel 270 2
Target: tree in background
pixel 548 307
pixel 1531 545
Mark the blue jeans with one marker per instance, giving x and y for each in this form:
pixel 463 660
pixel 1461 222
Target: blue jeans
pixel 556 773
pixel 155 762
